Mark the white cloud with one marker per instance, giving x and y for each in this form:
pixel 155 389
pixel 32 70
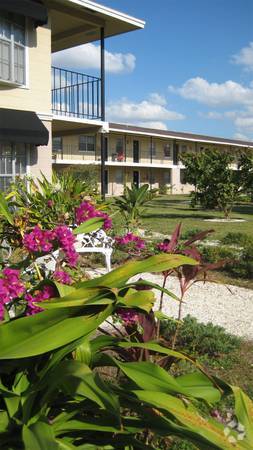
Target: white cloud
pixel 245 123
pixel 158 99
pixel 149 112
pixel 215 94
pixel 88 57
pixel 244 57
pixel 157 125
pixel 241 136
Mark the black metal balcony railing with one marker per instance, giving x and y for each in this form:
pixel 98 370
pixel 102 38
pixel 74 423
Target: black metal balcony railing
pixel 75 94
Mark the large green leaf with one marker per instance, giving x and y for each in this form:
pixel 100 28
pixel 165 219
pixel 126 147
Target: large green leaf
pixel 138 299
pixel 89 225
pixel 39 436
pixel 121 275
pixel 48 330
pixel 186 420
pixel 150 376
pixel 244 414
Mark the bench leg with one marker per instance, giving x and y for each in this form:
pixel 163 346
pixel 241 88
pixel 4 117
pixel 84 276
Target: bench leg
pixel 108 262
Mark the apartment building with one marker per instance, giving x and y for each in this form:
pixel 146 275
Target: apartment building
pixel 53 117
pixel 38 101
pixel 137 155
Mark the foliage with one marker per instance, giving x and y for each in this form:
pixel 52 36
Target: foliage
pixel 131 203
pixel 238 239
pixel 67 381
pixel 199 338
pixel 190 233
pixel 216 184
pixel 239 260
pixel 245 174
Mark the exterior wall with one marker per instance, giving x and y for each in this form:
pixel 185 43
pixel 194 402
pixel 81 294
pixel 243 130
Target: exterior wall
pixel 41 157
pixel 121 167
pixel 36 96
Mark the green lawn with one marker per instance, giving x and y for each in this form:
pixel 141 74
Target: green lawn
pixel 164 212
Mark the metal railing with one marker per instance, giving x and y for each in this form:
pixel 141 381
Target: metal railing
pixel 75 94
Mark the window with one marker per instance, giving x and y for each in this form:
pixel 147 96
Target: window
pixel 184 148
pixel 86 143
pixel 57 144
pixel 12 163
pixel 119 145
pixel 167 151
pixel 167 177
pixel 182 176
pixel 12 48
pixel 119 176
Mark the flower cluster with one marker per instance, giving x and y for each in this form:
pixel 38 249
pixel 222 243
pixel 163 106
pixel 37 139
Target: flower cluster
pixel 86 211
pixel 62 277
pixel 37 297
pixel 128 316
pixel 66 241
pixel 11 287
pixel 39 240
pixel 164 246
pixel 131 240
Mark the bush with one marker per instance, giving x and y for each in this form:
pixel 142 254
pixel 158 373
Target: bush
pixel 240 239
pixel 213 254
pixel 200 339
pixel 190 233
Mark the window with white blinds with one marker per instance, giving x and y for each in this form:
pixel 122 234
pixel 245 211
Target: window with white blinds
pixel 13 162
pixel 12 48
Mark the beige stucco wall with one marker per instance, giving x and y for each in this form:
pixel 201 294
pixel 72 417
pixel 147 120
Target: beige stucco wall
pixel 71 148
pixel 41 157
pixel 36 96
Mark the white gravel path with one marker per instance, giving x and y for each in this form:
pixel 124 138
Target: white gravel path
pixel 228 306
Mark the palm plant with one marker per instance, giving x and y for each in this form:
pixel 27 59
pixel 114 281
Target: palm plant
pixel 131 203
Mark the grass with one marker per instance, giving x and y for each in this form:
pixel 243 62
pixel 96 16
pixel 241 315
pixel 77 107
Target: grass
pixel 163 213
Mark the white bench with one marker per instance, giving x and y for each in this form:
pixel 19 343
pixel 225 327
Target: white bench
pixel 94 242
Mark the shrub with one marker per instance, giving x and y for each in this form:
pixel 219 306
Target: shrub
pixel 200 339
pixel 190 233
pixel 213 254
pixel 240 239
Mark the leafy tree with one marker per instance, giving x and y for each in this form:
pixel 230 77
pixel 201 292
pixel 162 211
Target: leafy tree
pixel 216 184
pixel 245 173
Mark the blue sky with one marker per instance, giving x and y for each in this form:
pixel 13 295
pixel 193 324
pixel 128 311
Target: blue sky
pixel 190 69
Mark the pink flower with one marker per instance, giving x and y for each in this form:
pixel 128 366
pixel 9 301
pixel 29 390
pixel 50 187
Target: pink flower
pixel 131 240
pixel 50 203
pixel 128 316
pixel 66 241
pixel 11 287
pixel 39 240
pixel 46 293
pixel 163 246
pixel 86 211
pixel 62 277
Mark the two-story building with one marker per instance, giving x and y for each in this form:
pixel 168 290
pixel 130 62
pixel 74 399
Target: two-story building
pixel 137 155
pixel 37 100
pixel 53 117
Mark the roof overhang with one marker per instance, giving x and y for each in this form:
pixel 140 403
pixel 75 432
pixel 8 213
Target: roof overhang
pixel 167 134
pixel 77 22
pixel 24 127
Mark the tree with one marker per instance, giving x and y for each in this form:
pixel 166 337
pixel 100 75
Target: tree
pixel 216 184
pixel 245 173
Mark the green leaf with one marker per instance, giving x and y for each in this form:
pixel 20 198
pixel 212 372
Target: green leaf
pixel 48 330
pixel 139 299
pixel 4 209
pixel 89 225
pixel 39 436
pixel 244 412
pixel 186 420
pixel 121 275
pixel 150 376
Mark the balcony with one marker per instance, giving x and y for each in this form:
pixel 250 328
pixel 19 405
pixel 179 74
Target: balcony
pixel 75 94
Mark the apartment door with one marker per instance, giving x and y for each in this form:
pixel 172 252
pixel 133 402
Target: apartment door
pixel 106 149
pixel 136 151
pixel 136 178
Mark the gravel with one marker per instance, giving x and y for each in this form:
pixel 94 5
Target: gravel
pixel 228 306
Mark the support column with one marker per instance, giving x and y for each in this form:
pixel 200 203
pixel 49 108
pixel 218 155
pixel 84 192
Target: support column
pixel 102 94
